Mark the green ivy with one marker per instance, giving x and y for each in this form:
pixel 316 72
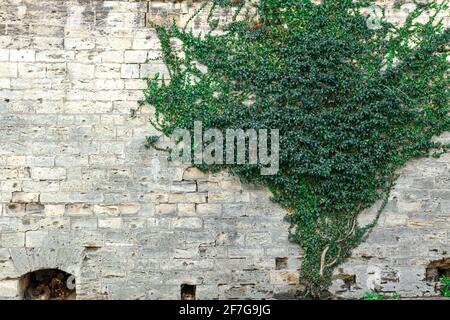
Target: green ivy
pixel 352 105
pixel 445 286
pixel 373 295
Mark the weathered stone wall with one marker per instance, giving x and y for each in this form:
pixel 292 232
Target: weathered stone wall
pixel 413 231
pixel 79 192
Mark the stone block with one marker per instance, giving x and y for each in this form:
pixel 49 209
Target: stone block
pixel 25 197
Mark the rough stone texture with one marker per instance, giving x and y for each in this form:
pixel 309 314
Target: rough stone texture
pixel 413 231
pixel 79 192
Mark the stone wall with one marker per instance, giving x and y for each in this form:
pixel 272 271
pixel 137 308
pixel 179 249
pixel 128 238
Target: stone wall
pixel 80 193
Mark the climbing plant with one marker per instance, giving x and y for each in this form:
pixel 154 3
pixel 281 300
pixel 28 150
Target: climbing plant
pixel 352 103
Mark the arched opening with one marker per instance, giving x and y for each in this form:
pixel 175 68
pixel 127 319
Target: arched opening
pixel 47 284
pixel 188 292
pixel 437 269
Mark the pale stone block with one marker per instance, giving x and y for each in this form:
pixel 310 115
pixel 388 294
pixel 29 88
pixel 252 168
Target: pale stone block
pixel 186 209
pixel 22 55
pixel 48 173
pixel 8 173
pixel 55 56
pixel 208 209
pixel 34 208
pixel 188 223
pixel 35 239
pixel 12 240
pixel 394 220
pixel 146 44
pixel 194 174
pixel 8 70
pixel 151 69
pixel 129 208
pixel 5 84
pixel 220 197
pixel 177 197
pixel 183 187
pixel 129 71
pixel 107 70
pixel 166 209
pixel 4 54
pixel 25 197
pixel 79 43
pixel 110 223
pixel 32 70
pixel 284 277
pixel 136 56
pixel 15 209
pixel 112 56
pixel 135 84
pixel 79 209
pixel 9 289
pixel 54 209
pixel 81 71
pixel 196 197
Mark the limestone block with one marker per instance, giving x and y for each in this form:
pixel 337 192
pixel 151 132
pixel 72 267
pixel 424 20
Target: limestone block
pixel 9 289
pixel 25 197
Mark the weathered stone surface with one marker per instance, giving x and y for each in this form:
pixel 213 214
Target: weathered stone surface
pixel 79 192
pixel 9 289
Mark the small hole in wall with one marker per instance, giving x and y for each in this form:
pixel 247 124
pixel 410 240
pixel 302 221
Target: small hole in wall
pixel 47 284
pixel 281 263
pixel 188 292
pixel 437 269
